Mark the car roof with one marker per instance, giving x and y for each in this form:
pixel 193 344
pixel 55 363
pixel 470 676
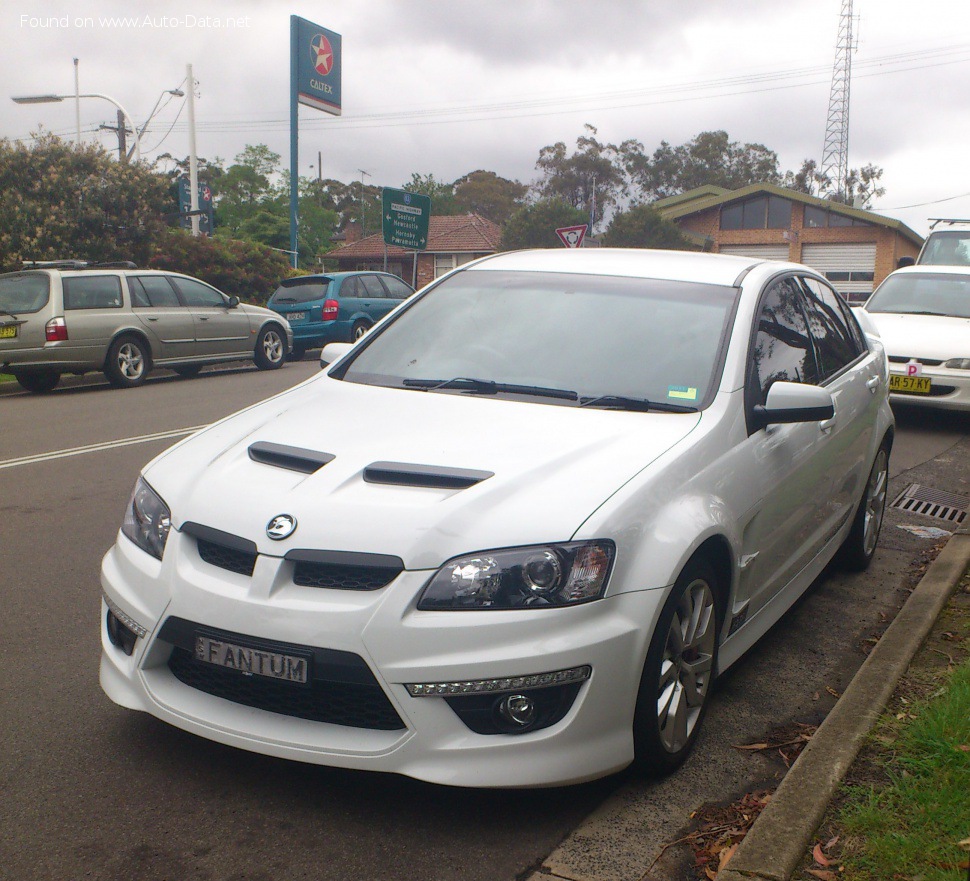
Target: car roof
pixel 336 276
pixel 691 266
pixel 931 269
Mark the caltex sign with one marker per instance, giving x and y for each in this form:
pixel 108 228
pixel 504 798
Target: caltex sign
pixel 317 58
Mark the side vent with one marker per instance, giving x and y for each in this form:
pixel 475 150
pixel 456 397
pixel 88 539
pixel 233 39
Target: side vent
pixel 402 474
pixel 291 458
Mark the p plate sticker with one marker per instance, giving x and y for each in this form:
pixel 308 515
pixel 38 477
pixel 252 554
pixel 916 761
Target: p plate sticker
pixel 687 393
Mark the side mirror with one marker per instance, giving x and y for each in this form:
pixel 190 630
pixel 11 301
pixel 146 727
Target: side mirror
pixel 332 351
pixel 233 302
pixel 905 261
pixel 790 402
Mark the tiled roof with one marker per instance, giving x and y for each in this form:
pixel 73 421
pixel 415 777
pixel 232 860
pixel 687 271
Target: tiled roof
pixel 465 233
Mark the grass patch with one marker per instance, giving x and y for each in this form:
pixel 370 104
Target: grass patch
pixel 6 377
pixel 909 819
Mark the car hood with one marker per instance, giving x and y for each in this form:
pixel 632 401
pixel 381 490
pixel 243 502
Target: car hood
pixel 923 336
pixel 551 467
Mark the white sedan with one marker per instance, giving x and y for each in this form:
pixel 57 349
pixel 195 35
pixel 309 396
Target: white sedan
pixel 512 535
pixel 922 314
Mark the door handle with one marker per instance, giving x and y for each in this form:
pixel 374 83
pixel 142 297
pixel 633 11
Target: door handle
pixel 152 317
pixel 204 317
pixel 828 424
pixel 872 383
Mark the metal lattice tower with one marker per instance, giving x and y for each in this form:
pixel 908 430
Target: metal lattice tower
pixel 835 153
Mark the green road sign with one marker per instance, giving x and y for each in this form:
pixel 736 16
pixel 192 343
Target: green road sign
pixel 405 219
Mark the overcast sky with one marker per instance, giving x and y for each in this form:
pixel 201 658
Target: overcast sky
pixel 445 87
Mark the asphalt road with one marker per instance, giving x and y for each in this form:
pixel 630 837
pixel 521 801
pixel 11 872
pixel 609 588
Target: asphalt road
pixel 89 790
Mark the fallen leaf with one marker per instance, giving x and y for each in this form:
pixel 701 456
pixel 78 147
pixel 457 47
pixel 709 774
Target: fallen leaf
pixel 816 696
pixel 822 874
pixel 831 843
pixel 965 844
pixel 725 856
pixel 820 857
pixel 832 692
pixel 711 873
pixel 964 747
pixel 754 746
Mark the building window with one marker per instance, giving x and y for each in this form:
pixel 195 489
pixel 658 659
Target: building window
pixel 819 218
pixel 760 212
pixel 446 262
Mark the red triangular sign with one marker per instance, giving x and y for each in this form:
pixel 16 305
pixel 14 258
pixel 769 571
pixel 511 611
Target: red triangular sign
pixel 572 236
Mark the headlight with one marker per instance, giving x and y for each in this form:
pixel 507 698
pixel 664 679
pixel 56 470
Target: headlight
pixel 544 576
pixel 147 519
pixel 958 364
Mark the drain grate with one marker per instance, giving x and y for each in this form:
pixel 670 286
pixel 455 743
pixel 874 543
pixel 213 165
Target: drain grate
pixel 931 502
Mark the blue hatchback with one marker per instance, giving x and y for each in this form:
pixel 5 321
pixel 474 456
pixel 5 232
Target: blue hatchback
pixel 336 307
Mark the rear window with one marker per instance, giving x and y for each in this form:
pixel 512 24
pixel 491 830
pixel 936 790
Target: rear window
pixel 24 293
pixel 947 249
pixel 92 292
pixel 296 291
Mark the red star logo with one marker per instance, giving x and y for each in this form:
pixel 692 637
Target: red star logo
pixel 322 54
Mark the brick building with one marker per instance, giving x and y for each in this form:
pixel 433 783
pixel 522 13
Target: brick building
pixel 451 242
pixel 855 249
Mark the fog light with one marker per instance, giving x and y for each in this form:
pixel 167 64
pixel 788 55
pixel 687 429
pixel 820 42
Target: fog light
pixel 119 635
pixel 517 709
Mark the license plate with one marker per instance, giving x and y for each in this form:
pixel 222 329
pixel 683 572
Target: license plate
pixel 296 316
pixel 9 332
pixel 250 661
pixel 914 385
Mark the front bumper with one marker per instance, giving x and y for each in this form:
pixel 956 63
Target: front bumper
pixel 399 645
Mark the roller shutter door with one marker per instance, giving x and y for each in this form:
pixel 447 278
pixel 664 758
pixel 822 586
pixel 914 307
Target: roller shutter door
pixel 761 252
pixel 850 268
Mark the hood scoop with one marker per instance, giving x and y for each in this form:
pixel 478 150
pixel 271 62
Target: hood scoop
pixel 291 458
pixel 434 476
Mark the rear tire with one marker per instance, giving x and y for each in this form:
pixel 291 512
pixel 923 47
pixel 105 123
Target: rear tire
pixel 39 381
pixel 675 686
pixel 358 330
pixel 128 363
pixel 270 352
pixel 859 547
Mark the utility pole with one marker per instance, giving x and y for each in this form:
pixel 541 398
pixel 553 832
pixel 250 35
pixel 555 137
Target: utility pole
pixel 122 129
pixel 77 104
pixel 193 157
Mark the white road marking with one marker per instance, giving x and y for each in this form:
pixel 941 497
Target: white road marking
pixel 96 448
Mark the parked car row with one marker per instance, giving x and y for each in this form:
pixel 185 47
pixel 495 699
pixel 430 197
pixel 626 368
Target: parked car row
pixel 69 317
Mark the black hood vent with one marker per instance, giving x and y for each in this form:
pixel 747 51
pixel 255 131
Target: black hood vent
pixel 291 458
pixel 402 474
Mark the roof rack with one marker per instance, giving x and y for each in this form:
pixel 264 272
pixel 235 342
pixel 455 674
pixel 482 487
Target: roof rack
pixel 78 264
pixel 947 220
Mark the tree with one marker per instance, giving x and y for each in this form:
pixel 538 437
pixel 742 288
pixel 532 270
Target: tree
pixel 711 158
pixel 862 186
pixel 442 195
pixel 808 179
pixel 246 185
pixel 488 195
pixel 591 178
pixel 644 227
pixel 534 226
pixel 63 201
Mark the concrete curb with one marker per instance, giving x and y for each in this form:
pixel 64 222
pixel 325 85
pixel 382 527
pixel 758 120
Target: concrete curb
pixel 780 836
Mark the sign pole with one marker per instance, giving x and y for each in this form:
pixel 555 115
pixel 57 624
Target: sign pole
pixel 294 138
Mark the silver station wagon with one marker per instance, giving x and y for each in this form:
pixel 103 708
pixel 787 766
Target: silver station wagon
pixel 69 317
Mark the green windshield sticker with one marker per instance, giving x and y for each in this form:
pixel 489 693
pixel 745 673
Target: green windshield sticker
pixel 687 393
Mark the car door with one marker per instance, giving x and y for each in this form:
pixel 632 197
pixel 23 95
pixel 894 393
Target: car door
pixel 397 290
pixel 851 374
pixel 219 329
pixel 374 302
pixel 94 312
pixel 788 462
pixel 169 323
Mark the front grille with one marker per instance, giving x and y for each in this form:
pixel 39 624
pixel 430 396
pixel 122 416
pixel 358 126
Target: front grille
pixel 341 577
pixel 926 362
pixel 341 690
pixel 936 391
pixel 234 560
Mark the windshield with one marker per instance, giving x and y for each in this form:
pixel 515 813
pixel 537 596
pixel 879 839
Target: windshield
pixel 923 294
pixel 23 293
pixel 947 248
pixel 559 338
pixel 297 291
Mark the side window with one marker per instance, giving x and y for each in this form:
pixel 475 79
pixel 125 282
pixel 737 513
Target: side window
pixel 159 292
pixel 835 344
pixel 372 285
pixel 195 293
pixel 139 296
pixel 396 288
pixel 782 347
pixel 92 292
pixel 351 288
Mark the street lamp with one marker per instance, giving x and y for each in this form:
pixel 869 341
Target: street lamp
pixel 55 99
pixel 176 93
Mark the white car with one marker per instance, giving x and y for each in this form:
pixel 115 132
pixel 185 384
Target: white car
pixel 513 534
pixel 922 315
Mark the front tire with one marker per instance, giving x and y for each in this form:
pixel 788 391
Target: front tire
pixel 39 382
pixel 358 330
pixel 859 547
pixel 679 671
pixel 128 362
pixel 270 352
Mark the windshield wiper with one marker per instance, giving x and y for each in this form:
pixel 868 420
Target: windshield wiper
pixel 5 312
pixel 489 387
pixel 621 402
